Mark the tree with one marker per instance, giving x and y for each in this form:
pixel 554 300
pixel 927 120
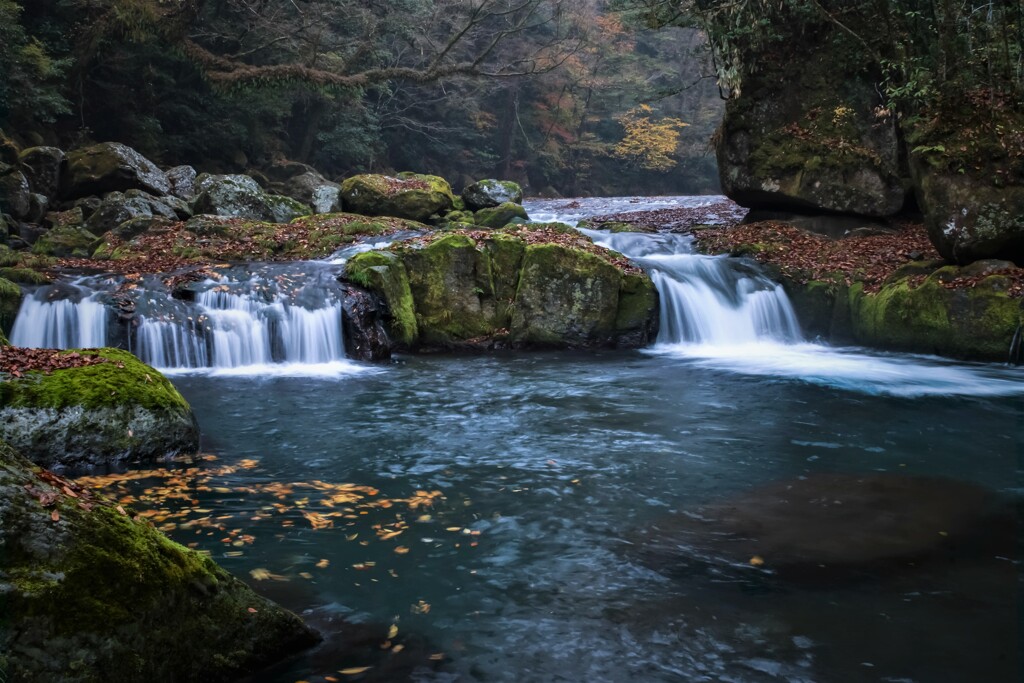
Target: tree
pixel 648 143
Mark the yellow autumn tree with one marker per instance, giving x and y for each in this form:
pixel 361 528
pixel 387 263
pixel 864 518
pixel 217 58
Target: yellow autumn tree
pixel 649 142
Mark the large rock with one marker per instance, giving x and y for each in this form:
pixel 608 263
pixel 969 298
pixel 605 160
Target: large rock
pixel 968 216
pixel 43 166
pixel 10 303
pixel 808 139
pixel 365 336
pixel 118 207
pixel 501 215
pixel 15 194
pixel 312 189
pixel 484 194
pixel 503 291
pixel 239 196
pixel 120 410
pixel 66 241
pixel 412 196
pixel 112 167
pixel 183 182
pixel 89 594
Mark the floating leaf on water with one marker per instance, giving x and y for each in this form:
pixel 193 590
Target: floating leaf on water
pixel 322 564
pixel 392 632
pixel 401 550
pixel 352 671
pixel 757 561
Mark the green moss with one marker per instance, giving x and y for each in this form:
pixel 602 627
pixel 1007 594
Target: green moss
pixel 66 241
pixel 975 322
pixel 453 291
pixel 638 303
pixel 124 380
pixel 506 255
pixel 501 215
pixel 383 273
pixel 10 302
pixel 24 276
pixel 99 596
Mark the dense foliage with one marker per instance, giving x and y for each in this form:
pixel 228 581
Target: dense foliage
pixel 527 89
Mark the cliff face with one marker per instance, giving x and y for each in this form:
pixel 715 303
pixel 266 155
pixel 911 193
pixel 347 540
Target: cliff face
pixel 813 130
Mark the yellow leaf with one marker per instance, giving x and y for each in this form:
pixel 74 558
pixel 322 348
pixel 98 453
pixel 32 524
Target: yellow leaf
pixel 260 574
pixel 401 550
pixel 355 670
pixel 392 632
pixel 757 561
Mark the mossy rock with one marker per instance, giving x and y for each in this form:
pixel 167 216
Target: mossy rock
pixel 24 276
pixel 413 196
pixel 121 410
pixel 452 290
pixel 66 241
pixel 384 273
pixel 111 167
pixel 976 322
pixel 501 215
pixel 10 302
pixel 566 297
pixel 90 595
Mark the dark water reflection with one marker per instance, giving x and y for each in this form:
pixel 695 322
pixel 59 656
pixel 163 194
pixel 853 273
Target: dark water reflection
pixel 557 462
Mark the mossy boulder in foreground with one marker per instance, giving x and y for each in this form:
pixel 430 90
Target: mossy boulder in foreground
pixel 88 594
pixel 118 410
pixel 535 287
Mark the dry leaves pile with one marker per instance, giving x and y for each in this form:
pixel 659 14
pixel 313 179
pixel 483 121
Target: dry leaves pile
pixel 680 219
pixel 17 361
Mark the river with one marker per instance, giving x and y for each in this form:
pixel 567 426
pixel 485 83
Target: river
pixel 502 517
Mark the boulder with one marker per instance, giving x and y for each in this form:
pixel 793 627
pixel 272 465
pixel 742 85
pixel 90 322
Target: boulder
pixel 484 194
pixel 91 593
pixel 119 410
pixel 412 196
pixel 239 196
pixel 312 189
pixel 112 167
pixel 183 182
pixel 15 194
pixel 72 241
pixel 969 217
pixel 811 140
pixel 366 338
pixel 43 166
pixel 118 207
pixel 501 215
pixel 458 292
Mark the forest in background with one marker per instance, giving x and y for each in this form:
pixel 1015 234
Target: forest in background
pixel 572 97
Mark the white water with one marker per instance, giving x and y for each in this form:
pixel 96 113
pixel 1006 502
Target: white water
pixel 723 314
pixel 61 323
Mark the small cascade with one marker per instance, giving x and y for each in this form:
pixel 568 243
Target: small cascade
pixel 713 300
pixel 62 317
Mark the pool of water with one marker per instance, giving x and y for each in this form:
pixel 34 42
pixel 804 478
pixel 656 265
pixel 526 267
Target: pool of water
pixel 487 516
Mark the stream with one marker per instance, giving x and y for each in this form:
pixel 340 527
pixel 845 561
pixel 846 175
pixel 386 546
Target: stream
pixel 493 514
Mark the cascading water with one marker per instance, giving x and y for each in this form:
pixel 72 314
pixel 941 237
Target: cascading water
pixel 712 300
pixel 62 317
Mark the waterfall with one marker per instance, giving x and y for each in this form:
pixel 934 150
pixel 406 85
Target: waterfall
pixel 714 300
pixel 46 321
pixel 276 317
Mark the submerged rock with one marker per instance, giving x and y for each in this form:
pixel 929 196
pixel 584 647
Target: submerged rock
pixel 412 196
pixel 539 289
pixel 89 594
pixel 828 525
pixel 112 167
pixel 120 410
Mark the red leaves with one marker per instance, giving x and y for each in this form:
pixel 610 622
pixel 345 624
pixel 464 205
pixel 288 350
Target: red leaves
pixel 56 489
pixel 16 361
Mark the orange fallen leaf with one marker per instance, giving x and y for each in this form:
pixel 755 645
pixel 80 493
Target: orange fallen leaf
pixel 352 671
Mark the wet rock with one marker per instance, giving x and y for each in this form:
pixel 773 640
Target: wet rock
pixel 412 196
pixel 10 302
pixel 485 194
pixel 313 190
pixel 122 410
pixel 365 335
pixel 43 166
pixel 91 594
pixel 112 167
pixel 69 241
pixel 832 525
